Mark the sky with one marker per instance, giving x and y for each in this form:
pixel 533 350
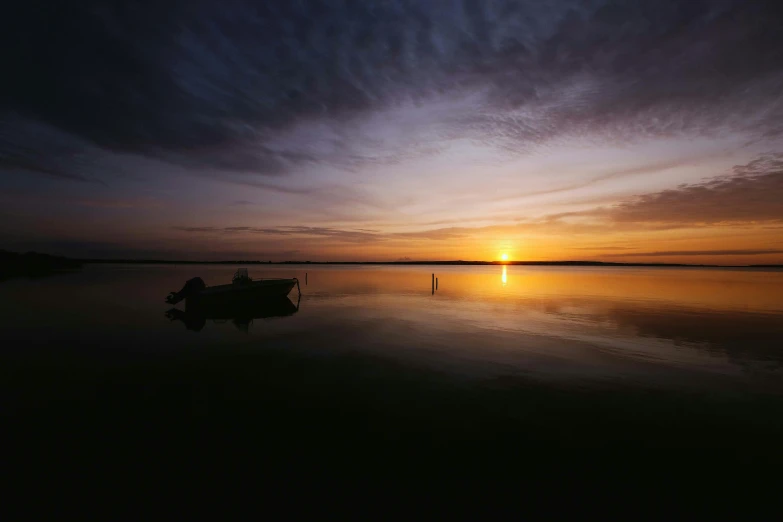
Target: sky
pixel 608 130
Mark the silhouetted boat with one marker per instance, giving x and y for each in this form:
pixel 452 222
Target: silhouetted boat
pixel 240 313
pixel 241 289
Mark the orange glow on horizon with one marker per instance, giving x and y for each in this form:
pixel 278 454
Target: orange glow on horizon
pixel 503 244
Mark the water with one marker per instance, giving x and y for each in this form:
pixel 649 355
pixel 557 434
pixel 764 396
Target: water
pixel 694 328
pixel 638 371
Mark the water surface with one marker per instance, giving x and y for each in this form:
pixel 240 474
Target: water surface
pixel 656 326
pixel 569 373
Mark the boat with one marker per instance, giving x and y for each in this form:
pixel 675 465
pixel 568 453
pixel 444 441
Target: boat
pixel 241 314
pixel 241 289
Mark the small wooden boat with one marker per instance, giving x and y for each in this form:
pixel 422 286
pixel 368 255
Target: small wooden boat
pixel 241 289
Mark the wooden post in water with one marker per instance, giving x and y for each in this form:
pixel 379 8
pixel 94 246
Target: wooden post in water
pixel 433 284
pixel 305 278
pixel 436 283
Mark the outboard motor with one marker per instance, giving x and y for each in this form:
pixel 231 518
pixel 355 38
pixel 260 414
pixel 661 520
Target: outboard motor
pixel 192 286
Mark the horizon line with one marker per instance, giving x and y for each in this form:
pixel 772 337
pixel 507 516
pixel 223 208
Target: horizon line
pixel 423 262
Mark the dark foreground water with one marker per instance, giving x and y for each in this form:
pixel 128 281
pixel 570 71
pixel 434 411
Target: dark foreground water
pixel 509 389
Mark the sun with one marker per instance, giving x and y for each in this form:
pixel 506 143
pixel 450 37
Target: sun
pixel 504 257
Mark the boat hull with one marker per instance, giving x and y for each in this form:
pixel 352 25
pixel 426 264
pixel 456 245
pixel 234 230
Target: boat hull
pixel 245 293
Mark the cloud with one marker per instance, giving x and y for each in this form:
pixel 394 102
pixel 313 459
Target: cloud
pixel 119 203
pixel 41 149
pixel 652 168
pixel 668 253
pixel 752 193
pixel 604 248
pixel 344 235
pixel 353 236
pixel 197 229
pixel 439 234
pixel 268 88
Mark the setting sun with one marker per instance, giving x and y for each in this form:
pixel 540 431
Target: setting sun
pixel 618 163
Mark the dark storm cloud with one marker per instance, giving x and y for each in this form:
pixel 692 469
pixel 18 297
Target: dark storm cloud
pixel 27 146
pixel 226 84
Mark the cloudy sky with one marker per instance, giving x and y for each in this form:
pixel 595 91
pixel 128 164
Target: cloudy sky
pixel 647 130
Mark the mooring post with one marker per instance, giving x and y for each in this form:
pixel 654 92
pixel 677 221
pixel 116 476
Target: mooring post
pixel 305 278
pixel 433 283
pixel 436 283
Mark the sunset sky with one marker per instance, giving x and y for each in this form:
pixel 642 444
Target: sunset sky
pixel 337 130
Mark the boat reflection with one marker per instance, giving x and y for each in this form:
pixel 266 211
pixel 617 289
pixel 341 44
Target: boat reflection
pixel 241 314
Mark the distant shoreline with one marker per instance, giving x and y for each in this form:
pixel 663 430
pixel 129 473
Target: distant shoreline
pixel 416 263
pixel 33 262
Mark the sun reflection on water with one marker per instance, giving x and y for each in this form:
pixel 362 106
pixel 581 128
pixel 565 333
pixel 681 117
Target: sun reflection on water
pixel 504 277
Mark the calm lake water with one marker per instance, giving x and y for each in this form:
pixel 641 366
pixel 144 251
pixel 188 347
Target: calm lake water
pixel 574 375
pixel 695 328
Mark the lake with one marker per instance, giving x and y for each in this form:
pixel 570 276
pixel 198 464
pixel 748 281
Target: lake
pixel 620 381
